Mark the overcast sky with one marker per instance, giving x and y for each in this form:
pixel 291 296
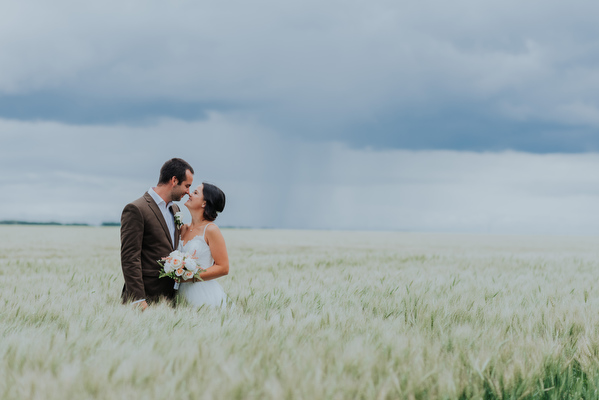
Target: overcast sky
pixel 466 116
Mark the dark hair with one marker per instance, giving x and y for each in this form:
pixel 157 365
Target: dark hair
pixel 176 167
pixel 215 201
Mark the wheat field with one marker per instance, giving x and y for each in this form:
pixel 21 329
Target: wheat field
pixel 317 315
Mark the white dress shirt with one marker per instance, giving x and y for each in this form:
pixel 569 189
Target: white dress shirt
pixel 168 216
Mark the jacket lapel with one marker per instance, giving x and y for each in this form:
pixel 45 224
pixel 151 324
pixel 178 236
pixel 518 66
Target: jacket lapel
pixel 154 207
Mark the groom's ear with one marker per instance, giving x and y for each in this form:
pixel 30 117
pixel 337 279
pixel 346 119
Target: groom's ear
pixel 174 181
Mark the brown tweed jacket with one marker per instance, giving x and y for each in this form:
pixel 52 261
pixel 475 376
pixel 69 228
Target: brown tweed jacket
pixel 145 239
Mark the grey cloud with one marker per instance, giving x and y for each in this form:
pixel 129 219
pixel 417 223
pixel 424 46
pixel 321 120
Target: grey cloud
pixel 79 173
pixel 465 75
pixel 79 109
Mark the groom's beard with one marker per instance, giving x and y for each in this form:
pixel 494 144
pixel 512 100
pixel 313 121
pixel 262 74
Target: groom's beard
pixel 177 196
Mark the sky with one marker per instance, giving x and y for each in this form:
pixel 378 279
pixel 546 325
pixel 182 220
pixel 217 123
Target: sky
pixel 467 116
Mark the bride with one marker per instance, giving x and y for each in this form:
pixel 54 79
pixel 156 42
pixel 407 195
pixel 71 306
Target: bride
pixel 204 238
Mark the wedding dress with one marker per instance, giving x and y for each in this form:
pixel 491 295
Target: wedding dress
pixel 205 292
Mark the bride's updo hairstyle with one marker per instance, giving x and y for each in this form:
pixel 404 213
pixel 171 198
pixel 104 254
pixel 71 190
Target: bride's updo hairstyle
pixel 215 201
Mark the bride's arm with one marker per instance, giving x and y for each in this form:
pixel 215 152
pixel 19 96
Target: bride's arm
pixel 216 242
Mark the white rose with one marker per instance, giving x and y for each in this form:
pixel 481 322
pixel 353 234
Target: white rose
pixel 168 267
pixel 188 275
pixel 190 264
pixel 179 214
pixel 177 261
pixel 179 271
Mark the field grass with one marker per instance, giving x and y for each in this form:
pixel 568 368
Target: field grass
pixel 318 315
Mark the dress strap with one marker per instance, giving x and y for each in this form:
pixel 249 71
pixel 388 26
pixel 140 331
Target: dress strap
pixel 204 234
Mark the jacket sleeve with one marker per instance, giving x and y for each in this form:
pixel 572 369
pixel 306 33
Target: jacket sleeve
pixel 132 228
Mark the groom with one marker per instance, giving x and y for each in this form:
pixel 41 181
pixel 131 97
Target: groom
pixel 149 232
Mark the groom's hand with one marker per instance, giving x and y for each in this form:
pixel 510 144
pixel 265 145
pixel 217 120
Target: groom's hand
pixel 142 304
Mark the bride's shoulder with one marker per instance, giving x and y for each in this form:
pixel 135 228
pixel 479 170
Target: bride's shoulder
pixel 212 227
pixel 212 230
pixel 184 229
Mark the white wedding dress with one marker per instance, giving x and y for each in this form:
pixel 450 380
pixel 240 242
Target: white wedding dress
pixel 199 293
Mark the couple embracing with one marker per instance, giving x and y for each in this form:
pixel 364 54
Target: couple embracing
pixel 150 231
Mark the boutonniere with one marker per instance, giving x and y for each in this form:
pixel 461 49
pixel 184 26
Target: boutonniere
pixel 178 219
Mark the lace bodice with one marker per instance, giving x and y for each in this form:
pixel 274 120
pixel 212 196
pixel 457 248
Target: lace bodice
pixel 201 249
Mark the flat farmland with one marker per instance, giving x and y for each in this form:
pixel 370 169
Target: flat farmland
pixel 316 315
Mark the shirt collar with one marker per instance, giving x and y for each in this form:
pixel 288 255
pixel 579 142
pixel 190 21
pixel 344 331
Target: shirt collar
pixel 159 200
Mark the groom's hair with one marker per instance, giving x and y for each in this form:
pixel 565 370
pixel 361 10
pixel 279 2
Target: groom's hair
pixel 174 167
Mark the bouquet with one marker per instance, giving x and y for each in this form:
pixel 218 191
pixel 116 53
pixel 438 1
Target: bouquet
pixel 179 265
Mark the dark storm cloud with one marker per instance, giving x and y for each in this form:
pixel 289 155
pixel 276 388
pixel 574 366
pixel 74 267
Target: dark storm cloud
pixel 470 129
pixel 429 75
pixel 78 109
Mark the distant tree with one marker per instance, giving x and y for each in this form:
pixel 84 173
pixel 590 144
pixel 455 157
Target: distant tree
pixel 111 224
pixel 13 222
